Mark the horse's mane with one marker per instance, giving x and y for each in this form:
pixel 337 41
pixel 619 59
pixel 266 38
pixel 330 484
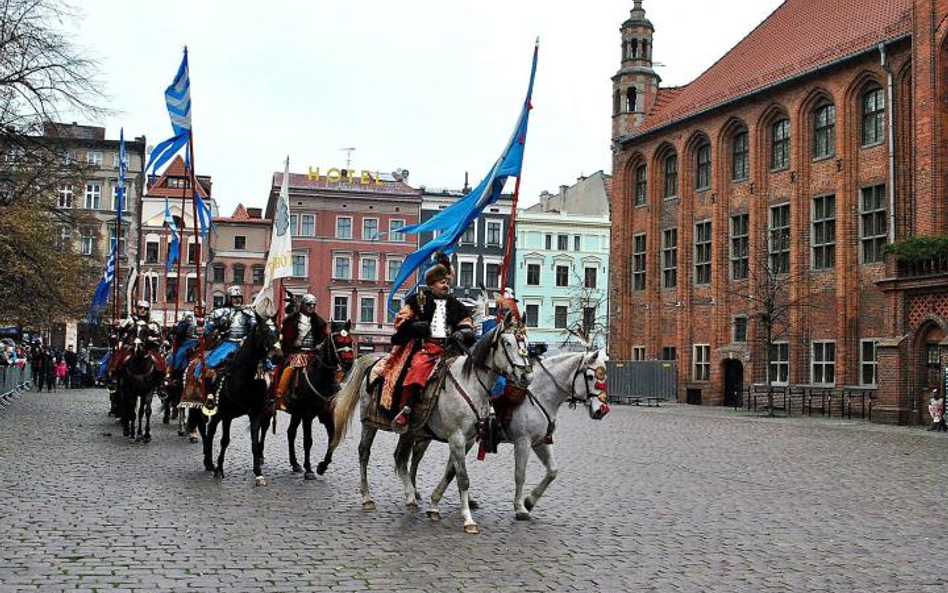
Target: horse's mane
pixel 481 352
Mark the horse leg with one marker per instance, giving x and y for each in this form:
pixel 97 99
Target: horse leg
pixel 208 437
pixel 139 429
pixel 433 512
pixel 330 435
pixel 295 420
pixel 545 453
pixel 458 446
pixel 225 440
pixel 146 401
pixel 307 445
pixel 417 454
pixel 521 456
pixel 257 449
pixel 402 454
pixel 365 450
pixel 262 431
pixel 197 426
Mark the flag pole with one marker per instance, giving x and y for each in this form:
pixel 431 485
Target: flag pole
pixel 184 226
pixel 199 303
pixel 511 235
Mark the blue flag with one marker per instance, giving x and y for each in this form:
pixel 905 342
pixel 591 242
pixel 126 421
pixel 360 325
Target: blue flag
pixel 454 220
pixel 123 169
pixel 174 252
pixel 101 296
pixel 178 101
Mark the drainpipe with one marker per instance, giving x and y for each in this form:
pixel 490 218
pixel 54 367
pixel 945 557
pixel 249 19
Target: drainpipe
pixel 890 117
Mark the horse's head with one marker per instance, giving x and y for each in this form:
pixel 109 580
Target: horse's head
pixel 343 344
pixel 508 352
pixel 589 384
pixel 265 334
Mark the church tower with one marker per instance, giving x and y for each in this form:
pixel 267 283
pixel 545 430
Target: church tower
pixel 635 85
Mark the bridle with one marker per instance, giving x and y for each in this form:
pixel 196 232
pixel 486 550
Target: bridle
pixel 572 398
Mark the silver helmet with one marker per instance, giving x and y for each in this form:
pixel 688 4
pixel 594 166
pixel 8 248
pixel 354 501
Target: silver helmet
pixel 234 291
pixel 308 299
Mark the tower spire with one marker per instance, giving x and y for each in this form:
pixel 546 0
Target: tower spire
pixel 635 85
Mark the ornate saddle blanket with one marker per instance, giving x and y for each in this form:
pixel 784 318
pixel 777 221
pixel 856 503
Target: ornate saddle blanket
pixel 378 417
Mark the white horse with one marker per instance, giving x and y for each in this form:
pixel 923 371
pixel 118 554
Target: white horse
pixel 567 378
pixel 461 407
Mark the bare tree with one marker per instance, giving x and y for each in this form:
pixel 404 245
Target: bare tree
pixel 775 298
pixel 44 77
pixel 588 316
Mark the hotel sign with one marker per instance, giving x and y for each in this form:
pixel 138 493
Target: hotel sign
pixel 336 175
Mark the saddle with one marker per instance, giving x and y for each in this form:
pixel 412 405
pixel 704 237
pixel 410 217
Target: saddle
pixel 380 418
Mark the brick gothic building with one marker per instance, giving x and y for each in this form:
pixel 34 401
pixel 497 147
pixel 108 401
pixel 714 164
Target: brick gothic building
pixel 818 139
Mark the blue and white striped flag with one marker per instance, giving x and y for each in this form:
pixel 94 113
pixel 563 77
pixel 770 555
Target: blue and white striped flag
pixel 101 296
pixel 123 169
pixel 178 101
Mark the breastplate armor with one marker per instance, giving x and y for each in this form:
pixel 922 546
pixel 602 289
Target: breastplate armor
pixel 306 337
pixel 439 321
pixel 240 326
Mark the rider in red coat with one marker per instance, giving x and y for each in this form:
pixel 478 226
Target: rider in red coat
pixel 301 333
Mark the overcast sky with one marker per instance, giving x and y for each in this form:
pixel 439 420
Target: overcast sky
pixel 432 86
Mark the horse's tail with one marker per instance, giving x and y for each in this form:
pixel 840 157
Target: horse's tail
pixel 344 402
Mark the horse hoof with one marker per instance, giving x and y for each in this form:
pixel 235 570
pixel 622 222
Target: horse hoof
pixel 219 474
pixel 434 515
pixel 471 529
pixel 260 481
pixel 529 503
pixel 297 468
pixel 193 439
pixel 309 476
pixel 473 505
pixel 521 516
pixel 321 468
pixel 209 467
pixel 138 439
pixel 412 507
pixel 368 505
pixel 166 420
pixel 146 438
pixel 182 433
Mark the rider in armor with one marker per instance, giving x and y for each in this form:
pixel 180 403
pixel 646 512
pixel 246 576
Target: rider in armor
pixel 128 330
pixel 423 326
pixel 184 342
pixel 301 333
pixel 233 323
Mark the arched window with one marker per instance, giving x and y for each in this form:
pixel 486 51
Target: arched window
pixel 824 131
pixel 873 117
pixel 617 103
pixel 641 185
pixel 631 99
pixel 780 145
pixel 703 167
pixel 645 55
pixel 740 156
pixel 634 49
pixel 670 189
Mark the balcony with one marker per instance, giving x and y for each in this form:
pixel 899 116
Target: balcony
pixel 916 273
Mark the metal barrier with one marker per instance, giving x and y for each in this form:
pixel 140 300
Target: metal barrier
pixel 649 381
pixel 846 402
pixel 13 381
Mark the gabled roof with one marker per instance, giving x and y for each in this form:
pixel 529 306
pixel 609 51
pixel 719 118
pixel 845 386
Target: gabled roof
pixel 241 216
pixel 799 37
pixel 176 169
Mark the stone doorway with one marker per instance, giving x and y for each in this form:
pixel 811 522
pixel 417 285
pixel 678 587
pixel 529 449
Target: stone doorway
pixel 733 382
pixel 929 373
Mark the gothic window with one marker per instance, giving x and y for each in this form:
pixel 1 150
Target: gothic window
pixel 671 177
pixel 873 117
pixel 780 145
pixel 630 99
pixel 641 185
pixel 740 157
pixel 703 167
pixel 824 132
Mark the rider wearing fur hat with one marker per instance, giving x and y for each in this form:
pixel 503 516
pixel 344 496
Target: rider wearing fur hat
pixel 301 333
pixel 427 320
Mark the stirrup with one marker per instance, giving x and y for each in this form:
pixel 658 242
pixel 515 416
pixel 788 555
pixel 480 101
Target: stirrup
pixel 399 428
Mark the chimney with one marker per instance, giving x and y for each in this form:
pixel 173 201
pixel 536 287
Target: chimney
pixel 255 212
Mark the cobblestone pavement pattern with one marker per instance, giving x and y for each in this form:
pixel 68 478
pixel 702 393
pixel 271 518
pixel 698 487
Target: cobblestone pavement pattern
pixel 665 500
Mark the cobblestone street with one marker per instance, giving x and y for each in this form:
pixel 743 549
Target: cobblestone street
pixel 667 499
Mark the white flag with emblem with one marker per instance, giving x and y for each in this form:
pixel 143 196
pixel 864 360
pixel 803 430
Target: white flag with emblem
pixel 280 256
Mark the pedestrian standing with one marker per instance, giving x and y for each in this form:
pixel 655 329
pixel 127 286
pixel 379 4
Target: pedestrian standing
pixel 38 362
pixel 936 409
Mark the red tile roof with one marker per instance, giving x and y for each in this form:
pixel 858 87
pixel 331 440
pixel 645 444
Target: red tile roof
pixel 304 181
pixel 176 169
pixel 242 216
pixel 798 37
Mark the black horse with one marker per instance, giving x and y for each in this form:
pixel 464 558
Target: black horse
pixel 311 396
pixel 241 390
pixel 137 381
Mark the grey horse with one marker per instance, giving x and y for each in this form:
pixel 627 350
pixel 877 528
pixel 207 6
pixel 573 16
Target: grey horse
pixel 572 378
pixel 463 402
